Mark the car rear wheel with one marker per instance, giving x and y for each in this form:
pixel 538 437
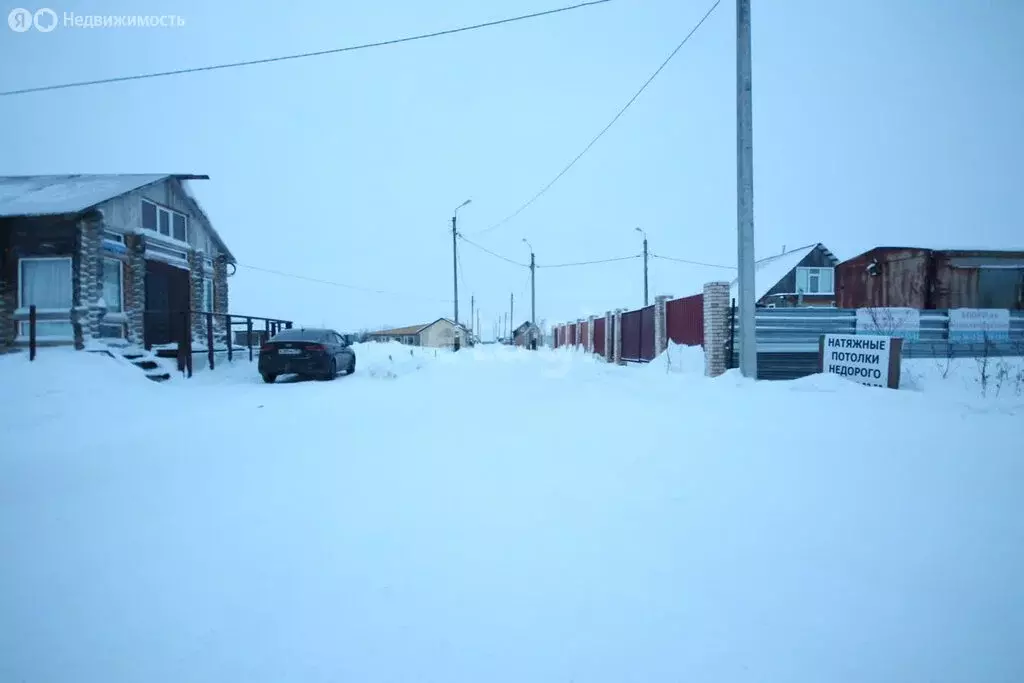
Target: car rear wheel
pixel 351 366
pixel 333 372
pixel 269 378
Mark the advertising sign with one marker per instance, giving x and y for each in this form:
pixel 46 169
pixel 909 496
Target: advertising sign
pixel 867 359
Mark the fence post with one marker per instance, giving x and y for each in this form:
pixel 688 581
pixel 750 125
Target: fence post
pixel 181 343
pixel 661 324
pixel 32 332
pixel 609 322
pixel 248 336
pixel 617 341
pixel 209 338
pixel 716 318
pixel 590 333
pixel 732 334
pixel 188 354
pixel 231 344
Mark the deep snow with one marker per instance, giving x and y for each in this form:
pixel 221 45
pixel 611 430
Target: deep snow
pixel 501 515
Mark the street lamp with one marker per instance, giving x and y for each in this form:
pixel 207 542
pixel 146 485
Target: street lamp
pixel 639 230
pixel 455 266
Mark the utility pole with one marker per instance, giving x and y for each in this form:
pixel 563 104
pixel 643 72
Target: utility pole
pixel 472 314
pixel 511 314
pixel 533 291
pixel 642 232
pixel 645 270
pixel 477 328
pixel 745 191
pixel 455 268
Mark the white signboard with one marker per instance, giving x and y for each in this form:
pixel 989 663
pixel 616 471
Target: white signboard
pixel 978 324
pixel 904 323
pixel 863 358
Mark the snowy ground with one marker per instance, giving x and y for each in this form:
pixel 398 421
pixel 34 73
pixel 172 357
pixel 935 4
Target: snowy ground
pixel 501 515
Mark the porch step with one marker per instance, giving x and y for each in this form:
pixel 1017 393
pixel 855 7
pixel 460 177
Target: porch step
pixel 146 361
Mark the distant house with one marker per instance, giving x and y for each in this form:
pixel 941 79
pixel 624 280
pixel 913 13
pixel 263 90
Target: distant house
pixel 526 335
pixel 924 278
pixel 439 334
pixel 799 277
pixel 107 257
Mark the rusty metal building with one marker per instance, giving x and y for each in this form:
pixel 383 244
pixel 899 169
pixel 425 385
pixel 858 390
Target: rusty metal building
pixel 922 278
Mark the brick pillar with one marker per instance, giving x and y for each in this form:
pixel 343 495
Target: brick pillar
pixel 196 276
pixel 590 333
pixel 220 292
pixel 87 280
pixel 716 327
pixel 609 320
pixel 617 341
pixel 135 287
pixel 660 324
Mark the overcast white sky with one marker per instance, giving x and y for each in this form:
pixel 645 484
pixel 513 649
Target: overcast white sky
pixel 893 122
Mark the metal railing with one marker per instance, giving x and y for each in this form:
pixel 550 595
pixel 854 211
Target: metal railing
pixel 181 345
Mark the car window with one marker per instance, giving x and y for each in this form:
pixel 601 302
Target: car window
pixel 339 340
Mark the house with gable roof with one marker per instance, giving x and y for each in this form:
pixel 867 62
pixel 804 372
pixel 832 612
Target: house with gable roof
pixel 104 257
pixel 798 277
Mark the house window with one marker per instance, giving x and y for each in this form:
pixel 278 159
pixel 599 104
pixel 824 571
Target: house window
pixel 164 222
pixel 207 295
pixel 814 280
pixel 113 285
pixel 46 284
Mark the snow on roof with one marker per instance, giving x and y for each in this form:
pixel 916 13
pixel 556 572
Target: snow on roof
pixel 48 195
pixel 768 271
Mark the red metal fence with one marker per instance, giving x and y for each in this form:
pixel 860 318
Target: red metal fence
pixel 684 324
pixel 599 336
pixel 684 320
pixel 631 333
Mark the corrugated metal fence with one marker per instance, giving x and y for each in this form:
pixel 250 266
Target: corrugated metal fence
pixel 787 339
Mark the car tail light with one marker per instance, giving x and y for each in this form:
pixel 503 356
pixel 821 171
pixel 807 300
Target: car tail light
pixel 315 347
pixel 266 347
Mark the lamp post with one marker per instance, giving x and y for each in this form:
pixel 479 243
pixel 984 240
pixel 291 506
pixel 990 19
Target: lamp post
pixel 455 267
pixel 645 263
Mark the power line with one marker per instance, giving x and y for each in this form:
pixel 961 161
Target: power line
pixel 692 263
pixel 590 263
pixel 495 255
pixel 606 128
pixel 339 284
pixel 318 53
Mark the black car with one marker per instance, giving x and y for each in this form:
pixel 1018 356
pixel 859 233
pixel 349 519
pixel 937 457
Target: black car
pixel 308 352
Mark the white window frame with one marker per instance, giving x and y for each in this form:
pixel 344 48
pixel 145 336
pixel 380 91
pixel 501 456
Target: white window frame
pixel 107 260
pixel 817 270
pixel 170 224
pixel 23 306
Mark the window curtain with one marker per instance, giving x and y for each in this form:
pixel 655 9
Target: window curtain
pixel 46 283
